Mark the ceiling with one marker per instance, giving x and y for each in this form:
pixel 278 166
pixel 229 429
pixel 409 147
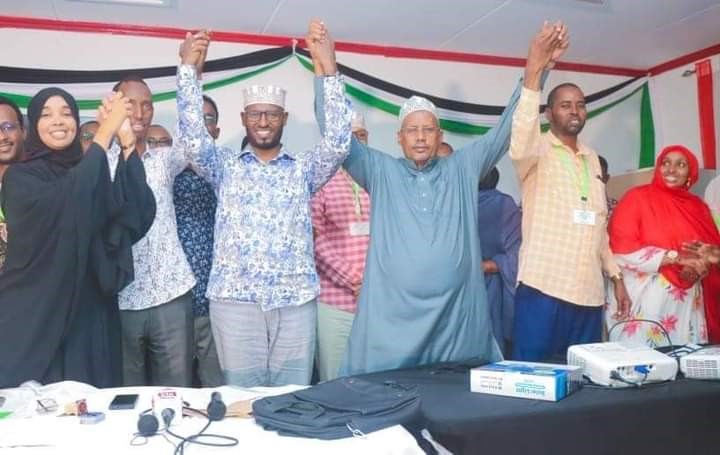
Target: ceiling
pixel 624 33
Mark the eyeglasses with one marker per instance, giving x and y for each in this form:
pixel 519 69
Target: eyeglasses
pixel 8 127
pixel 272 116
pixel 210 119
pixel 87 136
pixel 164 142
pixel 415 131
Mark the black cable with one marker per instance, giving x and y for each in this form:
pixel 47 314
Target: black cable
pixel 229 441
pixel 618 377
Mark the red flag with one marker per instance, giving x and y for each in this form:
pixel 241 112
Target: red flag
pixel 706 112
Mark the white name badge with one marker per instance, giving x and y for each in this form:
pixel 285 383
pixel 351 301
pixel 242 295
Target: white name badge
pixel 586 217
pixel 360 228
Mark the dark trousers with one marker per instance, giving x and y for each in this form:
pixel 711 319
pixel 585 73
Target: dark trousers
pixel 158 344
pixel 545 327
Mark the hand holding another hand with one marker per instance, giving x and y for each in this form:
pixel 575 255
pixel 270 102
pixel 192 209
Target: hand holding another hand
pixel 113 116
pixel 193 50
pixel 322 48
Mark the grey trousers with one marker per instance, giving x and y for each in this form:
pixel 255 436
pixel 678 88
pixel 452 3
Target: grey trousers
pixel 264 348
pixel 158 344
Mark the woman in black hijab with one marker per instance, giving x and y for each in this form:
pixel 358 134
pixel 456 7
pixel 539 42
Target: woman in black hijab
pixel 70 231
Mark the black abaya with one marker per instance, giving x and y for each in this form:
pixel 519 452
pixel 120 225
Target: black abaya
pixel 70 232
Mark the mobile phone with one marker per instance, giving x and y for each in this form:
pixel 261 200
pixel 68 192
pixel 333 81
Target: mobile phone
pixel 124 402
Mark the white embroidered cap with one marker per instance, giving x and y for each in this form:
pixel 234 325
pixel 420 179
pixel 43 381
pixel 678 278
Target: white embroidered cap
pixel 265 94
pixel 414 104
pixel 357 122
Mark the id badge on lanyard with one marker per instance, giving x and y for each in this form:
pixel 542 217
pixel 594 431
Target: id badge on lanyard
pixel 358 228
pixel 581 215
pixel 586 217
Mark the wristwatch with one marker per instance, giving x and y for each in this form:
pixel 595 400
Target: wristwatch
pixel 617 277
pixel 672 255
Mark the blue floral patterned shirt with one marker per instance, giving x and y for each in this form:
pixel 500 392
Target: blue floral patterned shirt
pixel 263 252
pixel 162 272
pixel 195 213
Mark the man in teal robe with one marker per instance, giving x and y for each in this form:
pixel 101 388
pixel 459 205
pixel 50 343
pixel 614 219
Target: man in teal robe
pixel 423 298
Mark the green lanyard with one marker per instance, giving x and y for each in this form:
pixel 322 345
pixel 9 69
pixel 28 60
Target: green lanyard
pixel 582 180
pixel 356 194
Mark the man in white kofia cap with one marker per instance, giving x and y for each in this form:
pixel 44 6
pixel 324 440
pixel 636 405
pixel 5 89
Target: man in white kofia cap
pixel 263 284
pixel 423 298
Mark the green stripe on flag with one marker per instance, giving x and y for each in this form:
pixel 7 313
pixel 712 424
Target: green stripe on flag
pixel 647 130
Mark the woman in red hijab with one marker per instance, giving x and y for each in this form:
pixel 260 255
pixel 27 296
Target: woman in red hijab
pixel 679 289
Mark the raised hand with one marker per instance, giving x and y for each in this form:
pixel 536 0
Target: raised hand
pixel 193 49
pixel 562 46
pixel 112 114
pixel 547 44
pixel 546 47
pixel 201 64
pixel 322 48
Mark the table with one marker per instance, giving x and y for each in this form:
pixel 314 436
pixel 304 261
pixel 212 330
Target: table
pixel 49 434
pixel 680 417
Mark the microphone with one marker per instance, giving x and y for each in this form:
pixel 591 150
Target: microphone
pixel 165 400
pixel 167 415
pixel 216 409
pixel 147 424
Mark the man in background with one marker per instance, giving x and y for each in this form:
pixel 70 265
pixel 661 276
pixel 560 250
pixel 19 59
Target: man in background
pixel 499 230
pixel 87 134
pixel 12 137
pixel 195 204
pixel 158 136
pixel 341 223
pixel 605 178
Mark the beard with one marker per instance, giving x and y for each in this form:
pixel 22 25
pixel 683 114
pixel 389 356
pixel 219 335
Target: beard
pixel 268 143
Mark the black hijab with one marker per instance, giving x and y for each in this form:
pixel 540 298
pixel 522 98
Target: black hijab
pixel 70 231
pixel 34 146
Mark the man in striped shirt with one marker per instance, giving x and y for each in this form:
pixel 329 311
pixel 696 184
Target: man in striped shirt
pixel 341 223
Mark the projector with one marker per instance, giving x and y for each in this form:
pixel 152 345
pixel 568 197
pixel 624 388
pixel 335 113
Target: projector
pixel 703 364
pixel 619 364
